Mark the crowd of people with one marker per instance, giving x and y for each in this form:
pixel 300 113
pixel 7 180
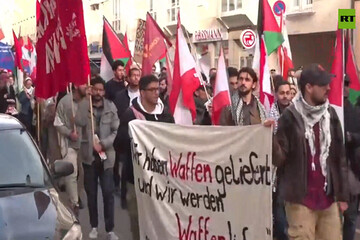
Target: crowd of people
pixel 88 127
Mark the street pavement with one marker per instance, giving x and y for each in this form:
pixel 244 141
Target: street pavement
pixel 122 221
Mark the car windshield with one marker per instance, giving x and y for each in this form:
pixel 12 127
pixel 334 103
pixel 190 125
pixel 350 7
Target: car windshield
pixel 20 161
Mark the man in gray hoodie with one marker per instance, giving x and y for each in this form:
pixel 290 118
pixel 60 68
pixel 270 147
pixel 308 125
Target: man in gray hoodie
pixel 67 123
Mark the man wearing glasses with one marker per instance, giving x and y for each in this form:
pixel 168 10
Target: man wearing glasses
pixel 149 107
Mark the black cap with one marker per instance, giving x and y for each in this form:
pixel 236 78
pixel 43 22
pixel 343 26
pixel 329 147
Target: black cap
pixel 315 74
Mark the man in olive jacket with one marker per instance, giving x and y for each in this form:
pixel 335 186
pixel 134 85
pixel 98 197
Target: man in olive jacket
pixel 98 155
pixel 309 150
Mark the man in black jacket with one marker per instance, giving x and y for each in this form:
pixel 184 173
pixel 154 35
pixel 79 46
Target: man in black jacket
pixel 352 144
pixel 124 98
pixel 3 92
pixel 116 84
pixel 308 148
pixel 147 107
pixel 122 102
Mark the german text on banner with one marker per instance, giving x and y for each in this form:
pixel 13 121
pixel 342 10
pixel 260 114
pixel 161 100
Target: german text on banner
pixel 203 182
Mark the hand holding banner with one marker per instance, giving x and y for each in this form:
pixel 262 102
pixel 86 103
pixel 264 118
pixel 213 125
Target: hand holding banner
pixel 190 186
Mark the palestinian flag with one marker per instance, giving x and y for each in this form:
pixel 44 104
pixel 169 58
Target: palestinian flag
pixel 113 50
pixel 337 84
pixel 269 39
pixel 336 94
pixel 269 28
pixel 352 72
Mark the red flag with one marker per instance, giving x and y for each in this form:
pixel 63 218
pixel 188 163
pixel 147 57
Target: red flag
pixel 221 92
pixel 284 52
pixel 185 81
pixel 336 85
pixel 2 36
pixel 38 9
pixel 18 52
pixel 351 69
pixel 154 45
pixel 126 45
pixel 61 47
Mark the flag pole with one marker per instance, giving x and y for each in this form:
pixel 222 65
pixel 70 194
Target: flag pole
pixel 91 112
pixel 195 58
pixel 282 47
pixel 38 122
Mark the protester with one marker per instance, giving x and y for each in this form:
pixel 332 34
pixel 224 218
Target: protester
pixel 309 148
pixel 202 112
pixel 282 101
pixel 163 71
pixel 153 70
pixel 352 144
pixel 3 92
pixel 122 101
pixel 49 140
pixel 272 72
pixel 276 79
pixel 98 155
pixel 116 84
pixel 68 124
pixel 212 80
pixel 10 88
pixel 27 101
pixel 246 107
pixel 212 72
pixel 164 96
pixel 291 77
pixel 148 106
pixel 293 91
pixel 233 79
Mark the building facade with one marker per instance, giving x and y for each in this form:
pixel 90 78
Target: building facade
pixel 209 24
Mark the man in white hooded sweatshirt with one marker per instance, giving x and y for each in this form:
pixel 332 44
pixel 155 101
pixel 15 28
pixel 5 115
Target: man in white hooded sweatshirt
pixel 149 107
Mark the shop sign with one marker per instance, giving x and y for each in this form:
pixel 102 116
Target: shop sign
pixel 209 35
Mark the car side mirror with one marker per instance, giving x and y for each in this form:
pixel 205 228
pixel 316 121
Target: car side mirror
pixel 62 169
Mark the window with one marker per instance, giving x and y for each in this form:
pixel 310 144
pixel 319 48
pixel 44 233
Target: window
pixel 94 7
pixel 230 5
pixel 173 9
pixel 225 45
pixel 152 11
pixel 116 15
pixel 20 168
pixel 302 4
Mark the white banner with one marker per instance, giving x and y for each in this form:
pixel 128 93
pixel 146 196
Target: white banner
pixel 202 182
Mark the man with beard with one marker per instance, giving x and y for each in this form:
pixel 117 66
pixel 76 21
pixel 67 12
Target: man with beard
pixel 122 101
pixel 164 96
pixel 98 155
pixel 309 149
pixel 283 99
pixel 68 125
pixel 246 108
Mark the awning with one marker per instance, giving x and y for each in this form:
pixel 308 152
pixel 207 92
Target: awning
pixel 236 22
pixel 171 29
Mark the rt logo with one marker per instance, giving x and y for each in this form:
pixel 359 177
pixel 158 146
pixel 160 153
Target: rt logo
pixel 346 18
